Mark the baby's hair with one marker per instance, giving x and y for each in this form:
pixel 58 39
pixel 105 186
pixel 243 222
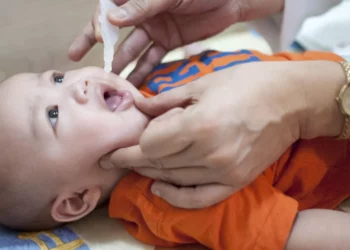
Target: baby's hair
pixel 23 206
pixel 21 210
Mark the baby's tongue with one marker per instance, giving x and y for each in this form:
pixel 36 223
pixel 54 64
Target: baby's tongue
pixel 113 102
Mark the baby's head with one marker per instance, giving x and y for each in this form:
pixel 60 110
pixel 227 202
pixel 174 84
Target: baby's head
pixel 54 129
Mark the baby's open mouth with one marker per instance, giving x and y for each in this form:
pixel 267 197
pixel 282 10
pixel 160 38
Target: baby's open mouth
pixel 112 99
pixel 117 100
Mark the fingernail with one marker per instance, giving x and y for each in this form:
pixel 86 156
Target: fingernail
pixel 155 191
pixel 106 164
pixel 119 14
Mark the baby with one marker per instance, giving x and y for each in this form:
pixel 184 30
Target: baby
pixel 55 127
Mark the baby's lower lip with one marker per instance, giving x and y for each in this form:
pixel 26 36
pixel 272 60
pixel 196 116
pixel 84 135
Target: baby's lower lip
pixel 126 100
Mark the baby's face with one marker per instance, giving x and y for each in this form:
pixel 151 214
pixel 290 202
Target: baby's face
pixel 58 126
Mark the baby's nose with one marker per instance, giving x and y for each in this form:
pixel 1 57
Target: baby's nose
pixel 80 90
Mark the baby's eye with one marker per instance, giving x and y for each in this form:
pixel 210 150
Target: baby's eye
pixel 58 78
pixel 52 114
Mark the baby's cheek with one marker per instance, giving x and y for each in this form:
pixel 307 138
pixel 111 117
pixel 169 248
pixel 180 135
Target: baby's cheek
pixel 103 132
pixel 87 125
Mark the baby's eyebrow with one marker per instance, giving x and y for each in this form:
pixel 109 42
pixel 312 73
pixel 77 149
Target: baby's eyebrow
pixel 33 118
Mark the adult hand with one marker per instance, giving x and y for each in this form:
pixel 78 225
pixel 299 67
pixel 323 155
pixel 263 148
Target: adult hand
pixel 223 130
pixel 163 25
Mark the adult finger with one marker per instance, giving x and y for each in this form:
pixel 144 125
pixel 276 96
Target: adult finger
pixel 134 12
pixel 179 97
pixel 130 157
pixel 120 2
pixel 167 135
pixel 133 157
pixel 148 61
pixel 97 26
pixel 83 43
pixel 185 176
pixel 130 49
pixel 192 197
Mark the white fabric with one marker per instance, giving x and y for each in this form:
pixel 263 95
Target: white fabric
pixel 328 32
pixel 281 30
pixel 100 232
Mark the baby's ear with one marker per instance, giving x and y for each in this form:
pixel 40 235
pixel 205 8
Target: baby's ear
pixel 72 206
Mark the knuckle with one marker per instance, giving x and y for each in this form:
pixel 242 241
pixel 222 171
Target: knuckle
pixel 129 51
pixel 181 5
pixel 206 126
pixel 221 160
pixel 195 95
pixel 137 76
pixel 140 6
pixel 119 161
pixel 156 163
pixel 90 35
pixel 167 175
pixel 143 62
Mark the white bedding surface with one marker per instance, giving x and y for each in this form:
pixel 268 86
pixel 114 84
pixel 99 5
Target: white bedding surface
pixel 102 233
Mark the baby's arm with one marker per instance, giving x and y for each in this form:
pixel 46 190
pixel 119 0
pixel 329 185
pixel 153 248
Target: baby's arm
pixel 318 229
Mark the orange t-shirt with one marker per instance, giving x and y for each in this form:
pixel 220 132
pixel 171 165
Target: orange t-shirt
pixel 310 174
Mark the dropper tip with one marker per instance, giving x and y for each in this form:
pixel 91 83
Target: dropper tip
pixel 108 68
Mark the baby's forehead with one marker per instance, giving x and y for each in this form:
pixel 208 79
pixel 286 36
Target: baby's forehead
pixel 17 86
pixel 16 93
pixel 20 79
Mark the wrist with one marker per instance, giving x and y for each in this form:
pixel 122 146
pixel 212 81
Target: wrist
pixel 320 82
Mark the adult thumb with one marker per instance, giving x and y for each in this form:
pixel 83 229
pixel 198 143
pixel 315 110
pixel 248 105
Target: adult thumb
pixel 134 12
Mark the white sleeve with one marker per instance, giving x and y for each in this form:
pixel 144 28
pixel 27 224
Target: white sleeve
pixel 328 32
pixel 281 30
